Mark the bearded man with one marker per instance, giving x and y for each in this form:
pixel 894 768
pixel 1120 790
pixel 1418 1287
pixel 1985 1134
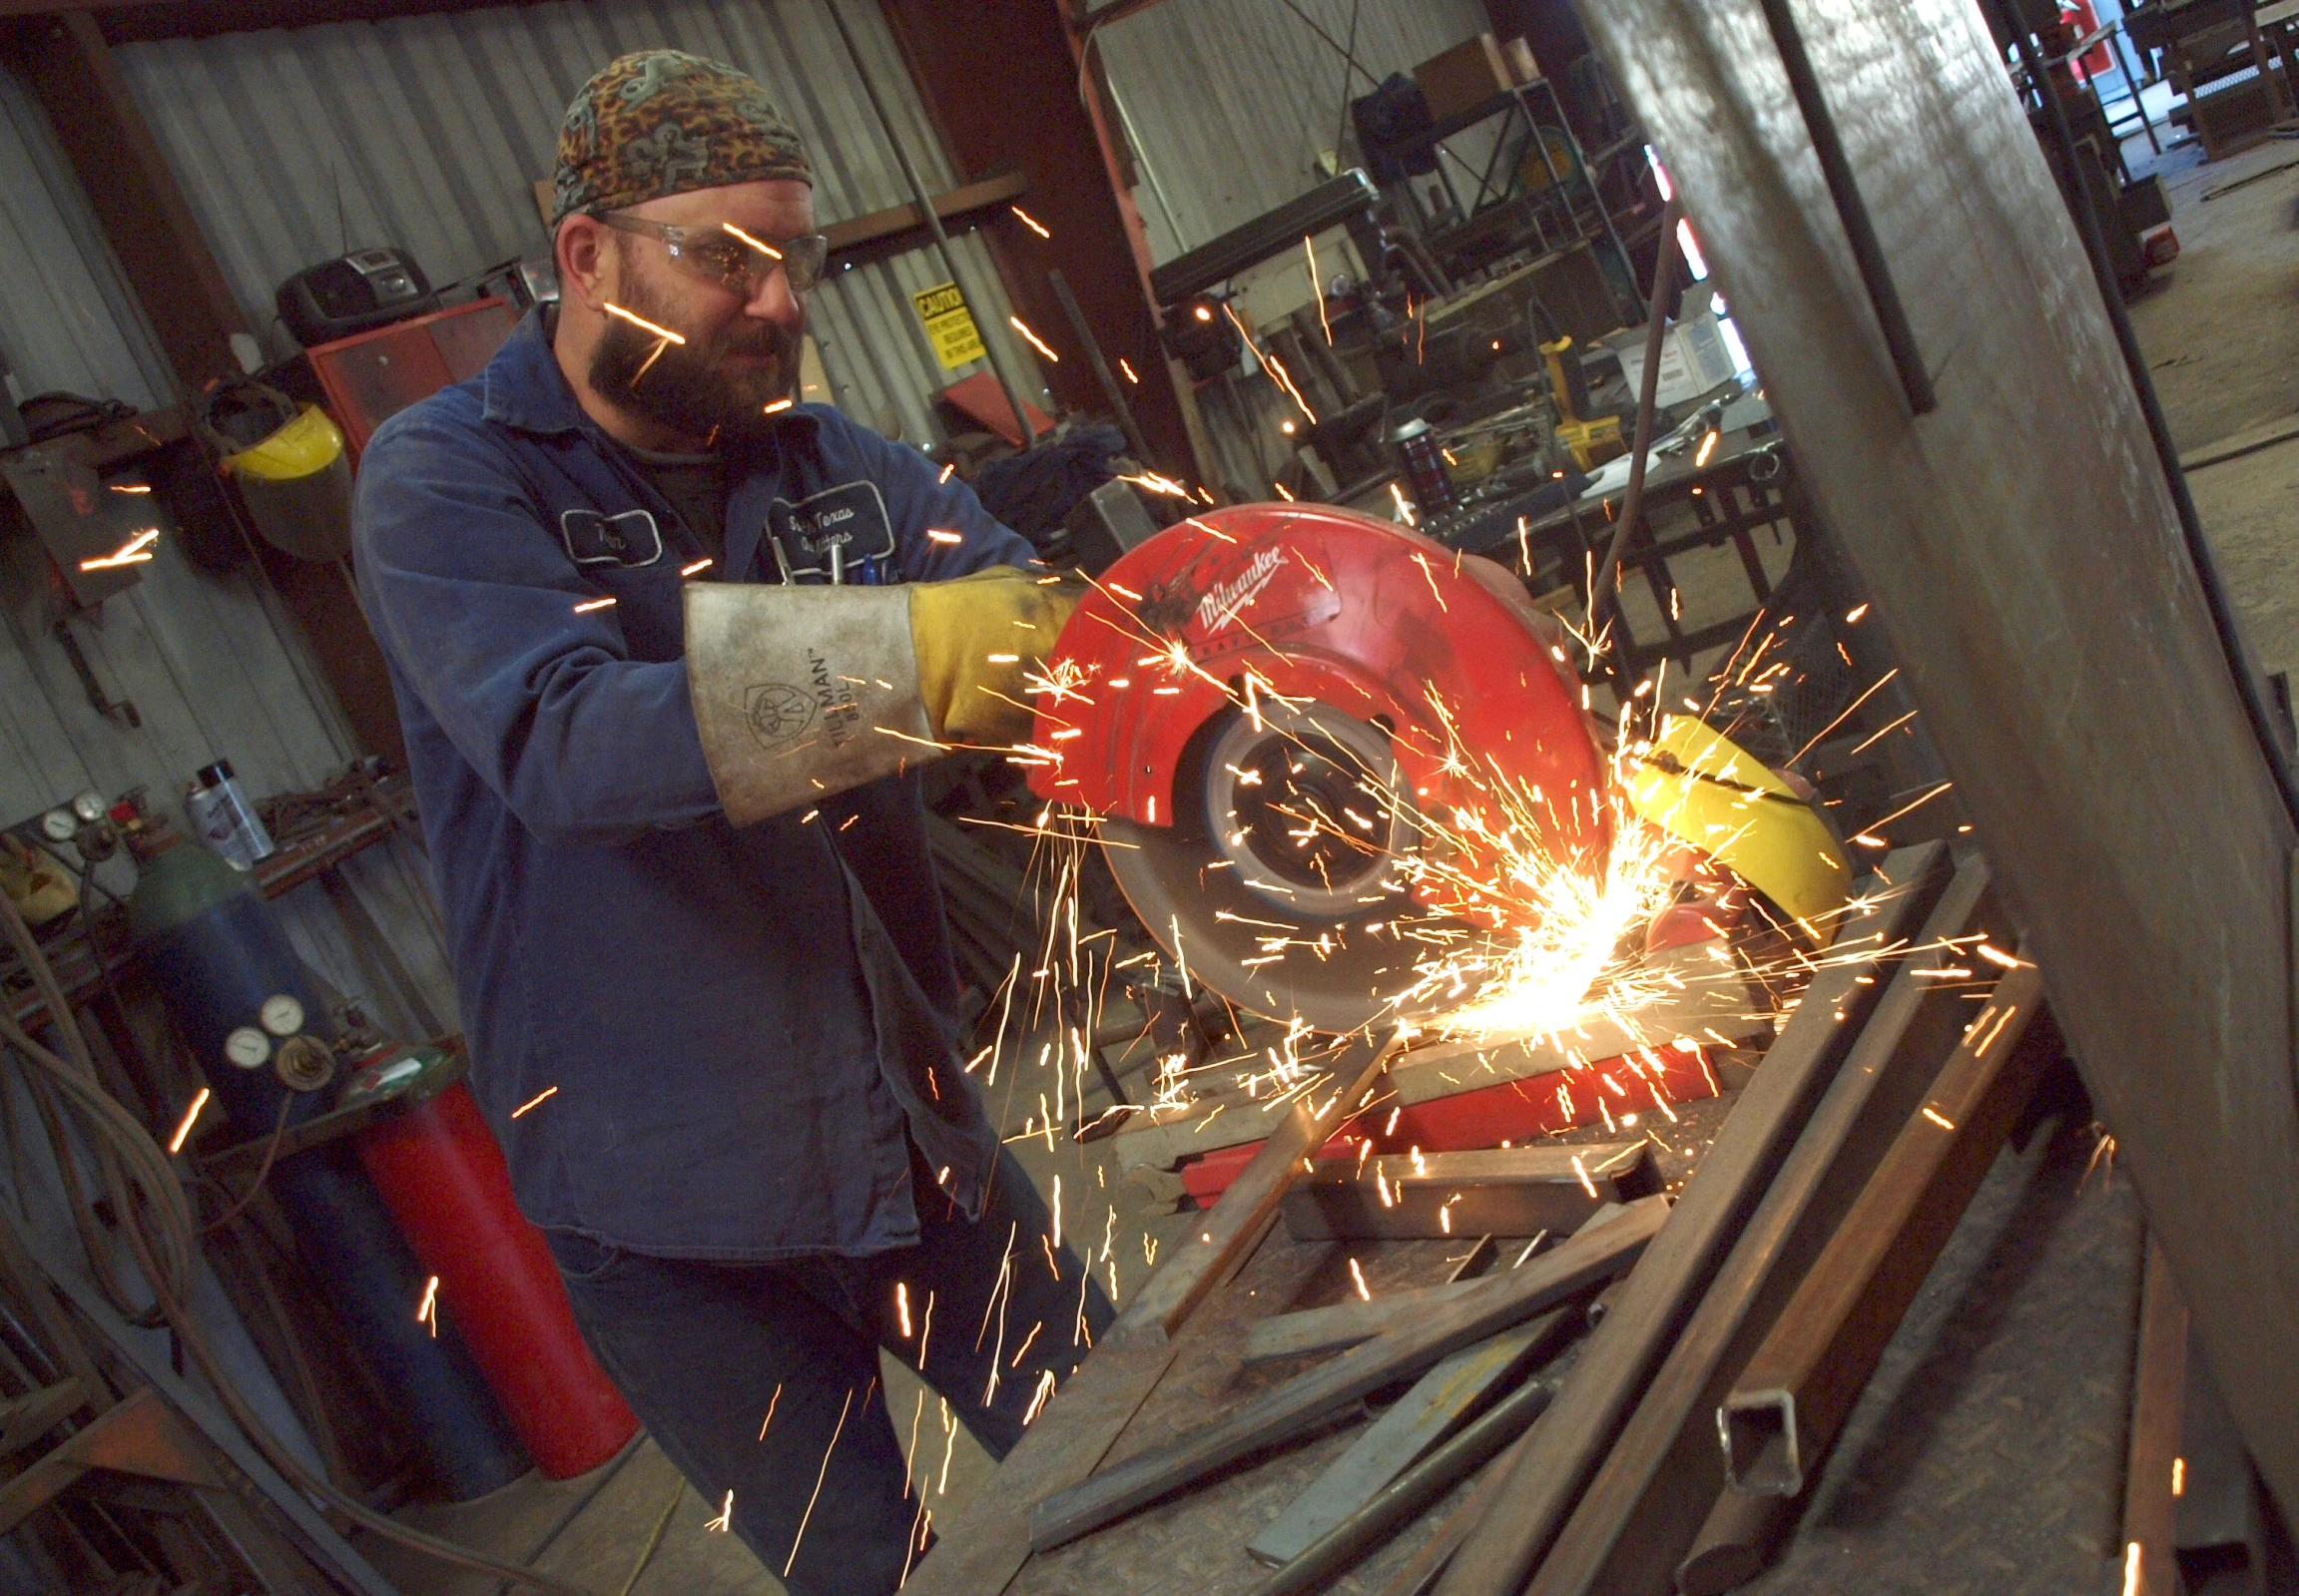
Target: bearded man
pixel 667 649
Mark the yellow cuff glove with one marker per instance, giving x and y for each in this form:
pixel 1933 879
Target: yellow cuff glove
pixel 976 637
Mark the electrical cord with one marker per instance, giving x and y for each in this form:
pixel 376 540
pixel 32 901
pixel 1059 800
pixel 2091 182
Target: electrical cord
pixel 155 1221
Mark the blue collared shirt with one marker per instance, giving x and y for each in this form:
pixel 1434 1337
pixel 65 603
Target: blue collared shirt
pixel 741 1042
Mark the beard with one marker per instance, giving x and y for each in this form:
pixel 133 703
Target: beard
pixel 697 389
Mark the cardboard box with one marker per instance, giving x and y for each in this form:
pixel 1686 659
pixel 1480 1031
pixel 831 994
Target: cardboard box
pixel 1465 77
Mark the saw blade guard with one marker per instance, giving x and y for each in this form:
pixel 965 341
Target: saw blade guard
pixel 1314 738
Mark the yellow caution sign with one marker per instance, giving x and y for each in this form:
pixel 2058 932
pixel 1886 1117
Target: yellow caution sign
pixel 950 326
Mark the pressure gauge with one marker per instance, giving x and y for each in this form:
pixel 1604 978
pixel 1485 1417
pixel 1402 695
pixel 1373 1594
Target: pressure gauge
pixel 247 1047
pixel 282 1014
pixel 89 807
pixel 58 825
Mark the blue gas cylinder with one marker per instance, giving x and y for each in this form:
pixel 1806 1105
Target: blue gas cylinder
pixel 235 987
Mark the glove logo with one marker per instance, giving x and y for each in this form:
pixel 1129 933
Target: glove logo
pixel 777 712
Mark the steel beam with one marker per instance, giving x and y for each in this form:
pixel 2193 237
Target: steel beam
pixel 2025 560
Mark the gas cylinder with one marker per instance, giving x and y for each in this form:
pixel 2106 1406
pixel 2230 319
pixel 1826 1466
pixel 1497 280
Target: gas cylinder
pixel 440 1171
pixel 241 998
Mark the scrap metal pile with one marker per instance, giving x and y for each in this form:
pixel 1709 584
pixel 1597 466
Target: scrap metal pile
pixel 1350 780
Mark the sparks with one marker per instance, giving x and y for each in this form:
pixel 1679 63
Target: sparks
pixel 1127 369
pixel 191 1118
pixel 1029 222
pixel 938 535
pixel 533 1101
pixel 427 1312
pixel 1036 343
pixel 779 407
pixel 1707 448
pixel 1938 1118
pixel 588 605
pixel 760 245
pixel 903 1307
pixel 641 321
pixel 1317 287
pixel 133 552
pixel 1358 1274
pixel 694 566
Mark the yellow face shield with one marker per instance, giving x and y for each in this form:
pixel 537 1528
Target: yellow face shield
pixel 1707 793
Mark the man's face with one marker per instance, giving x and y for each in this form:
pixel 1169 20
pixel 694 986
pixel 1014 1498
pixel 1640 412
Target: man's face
pixel 740 353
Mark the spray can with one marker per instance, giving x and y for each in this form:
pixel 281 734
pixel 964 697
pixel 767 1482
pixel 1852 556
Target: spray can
pixel 1424 461
pixel 224 820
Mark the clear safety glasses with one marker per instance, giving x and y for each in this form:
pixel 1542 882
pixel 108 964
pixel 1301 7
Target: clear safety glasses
pixel 727 255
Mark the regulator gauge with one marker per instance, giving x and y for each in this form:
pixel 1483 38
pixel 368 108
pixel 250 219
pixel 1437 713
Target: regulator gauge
pixel 58 825
pixel 247 1047
pixel 88 808
pixel 283 1014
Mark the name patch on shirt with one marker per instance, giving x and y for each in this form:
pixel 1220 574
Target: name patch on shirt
pixel 595 538
pixel 831 535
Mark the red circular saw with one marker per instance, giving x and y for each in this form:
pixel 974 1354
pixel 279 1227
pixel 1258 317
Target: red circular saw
pixel 1312 736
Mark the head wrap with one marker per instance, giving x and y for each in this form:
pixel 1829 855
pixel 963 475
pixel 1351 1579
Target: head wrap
pixel 661 122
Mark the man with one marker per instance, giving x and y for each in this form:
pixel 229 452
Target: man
pixel 664 645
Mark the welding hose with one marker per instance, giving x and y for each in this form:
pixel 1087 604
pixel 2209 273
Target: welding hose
pixel 157 1225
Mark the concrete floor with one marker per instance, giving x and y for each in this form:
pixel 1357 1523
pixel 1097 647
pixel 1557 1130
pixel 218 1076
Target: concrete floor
pixel 2221 332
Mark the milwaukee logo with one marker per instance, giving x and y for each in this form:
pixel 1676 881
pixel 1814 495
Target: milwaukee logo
pixel 1222 605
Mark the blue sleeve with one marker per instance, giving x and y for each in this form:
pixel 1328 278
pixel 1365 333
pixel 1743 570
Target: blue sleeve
pixel 920 502
pixel 473 600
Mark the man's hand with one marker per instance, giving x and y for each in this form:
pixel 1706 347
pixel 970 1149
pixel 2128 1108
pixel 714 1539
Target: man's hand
pixel 976 638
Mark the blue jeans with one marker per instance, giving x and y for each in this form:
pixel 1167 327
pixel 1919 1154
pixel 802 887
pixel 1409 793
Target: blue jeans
pixel 763 1379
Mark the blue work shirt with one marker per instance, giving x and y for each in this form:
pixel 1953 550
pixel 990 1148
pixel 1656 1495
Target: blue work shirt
pixel 740 1042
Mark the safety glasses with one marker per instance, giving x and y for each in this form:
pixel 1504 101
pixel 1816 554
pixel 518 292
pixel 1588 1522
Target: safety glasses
pixel 729 256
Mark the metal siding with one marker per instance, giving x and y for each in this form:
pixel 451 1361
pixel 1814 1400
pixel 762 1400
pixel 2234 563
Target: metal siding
pixel 66 321
pixel 216 670
pixel 436 127
pixel 1230 102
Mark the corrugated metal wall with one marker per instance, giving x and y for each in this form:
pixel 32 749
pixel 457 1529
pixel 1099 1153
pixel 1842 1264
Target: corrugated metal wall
pixel 216 670
pixel 1229 102
pixel 66 318
pixel 432 130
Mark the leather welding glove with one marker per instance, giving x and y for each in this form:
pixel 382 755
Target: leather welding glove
pixel 803 691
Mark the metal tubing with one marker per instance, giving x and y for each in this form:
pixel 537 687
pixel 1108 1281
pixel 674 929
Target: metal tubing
pixel 1607 580
pixel 2131 82
pixel 2241 663
pixel 925 204
pixel 1085 333
pixel 1580 1266
pixel 1348 1542
pixel 1835 1092
pixel 1851 209
pixel 1781 1416
pixel 1603 210
pixel 2158 1414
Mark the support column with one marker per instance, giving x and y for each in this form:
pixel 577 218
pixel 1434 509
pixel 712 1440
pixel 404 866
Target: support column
pixel 159 244
pixel 1000 81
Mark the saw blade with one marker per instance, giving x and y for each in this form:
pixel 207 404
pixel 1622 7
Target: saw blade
pixel 1281 888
